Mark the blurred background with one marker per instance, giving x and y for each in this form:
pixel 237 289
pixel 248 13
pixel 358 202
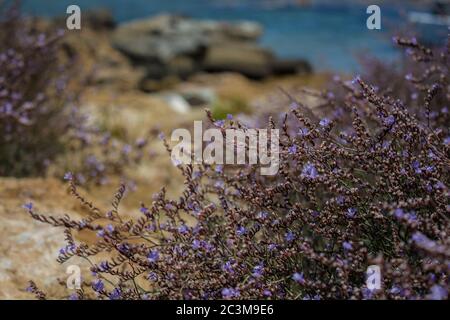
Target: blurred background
pixel 137 68
pixel 327 33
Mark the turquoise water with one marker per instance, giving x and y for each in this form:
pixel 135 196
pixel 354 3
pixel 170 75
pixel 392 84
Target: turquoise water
pixel 329 35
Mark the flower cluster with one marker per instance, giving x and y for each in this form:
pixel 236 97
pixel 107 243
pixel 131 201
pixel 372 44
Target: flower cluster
pixel 365 185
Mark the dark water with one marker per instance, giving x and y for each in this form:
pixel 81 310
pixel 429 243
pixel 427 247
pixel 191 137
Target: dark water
pixel 327 34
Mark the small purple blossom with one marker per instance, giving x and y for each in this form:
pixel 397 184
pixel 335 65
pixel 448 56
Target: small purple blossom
pixel 219 123
pixel 447 141
pixel 258 271
pixel 289 236
pixel 28 206
pixel 262 215
pixel 399 213
pixel 152 276
pixel 302 132
pixel 98 285
pixel 240 231
pixel 351 213
pixel 115 294
pixel 73 297
pixel 324 122
pixel 292 149
pixel 389 121
pixel 228 267
pixel 183 229
pixel 438 293
pixel 68 176
pixel 298 277
pixel 416 166
pixel 310 171
pixel 104 266
pixel 153 256
pixel 267 293
pixel 101 233
pixel 228 293
pixel 196 244
pixel 347 246
pixel 340 200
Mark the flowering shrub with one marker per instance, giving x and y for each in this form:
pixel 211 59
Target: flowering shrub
pixel 39 120
pixel 31 98
pixel 365 185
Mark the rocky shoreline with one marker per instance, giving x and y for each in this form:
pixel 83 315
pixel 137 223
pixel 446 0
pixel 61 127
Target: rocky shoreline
pixel 169 45
pixel 165 55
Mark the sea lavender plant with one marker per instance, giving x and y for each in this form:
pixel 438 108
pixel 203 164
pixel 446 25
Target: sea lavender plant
pixel 40 122
pixel 31 97
pixel 366 187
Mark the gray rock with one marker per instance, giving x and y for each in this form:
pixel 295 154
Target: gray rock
pixel 169 45
pixel 291 66
pixel 247 59
pixel 100 19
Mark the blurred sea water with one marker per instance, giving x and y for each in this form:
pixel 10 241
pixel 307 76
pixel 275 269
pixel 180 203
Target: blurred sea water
pixel 329 34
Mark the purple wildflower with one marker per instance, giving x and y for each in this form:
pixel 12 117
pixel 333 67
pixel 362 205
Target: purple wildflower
pixel 144 210
pixel 152 276
pixel 98 285
pixel 68 176
pixel 309 171
pixel 115 294
pixel 292 149
pixel 101 233
pixel 302 132
pixel 325 122
pixel 227 267
pixel 289 236
pixel 240 231
pixel 219 123
pixel 389 121
pixel 347 246
pixel 438 293
pixel 230 293
pixel 340 200
pixel 258 271
pixel 73 296
pixel 28 206
pixel 183 229
pixel 398 213
pixel 298 277
pixel 447 141
pixel 351 213
pixel 267 293
pixel 153 256
pixel 196 244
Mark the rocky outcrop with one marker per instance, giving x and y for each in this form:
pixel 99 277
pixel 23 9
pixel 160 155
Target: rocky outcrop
pixel 170 45
pixel 247 59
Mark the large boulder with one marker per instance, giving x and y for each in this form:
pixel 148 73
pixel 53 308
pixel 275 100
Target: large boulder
pixel 291 66
pixel 100 18
pixel 247 59
pixel 170 45
pixel 165 37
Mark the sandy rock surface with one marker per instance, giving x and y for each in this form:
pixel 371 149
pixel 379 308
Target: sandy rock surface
pixel 28 249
